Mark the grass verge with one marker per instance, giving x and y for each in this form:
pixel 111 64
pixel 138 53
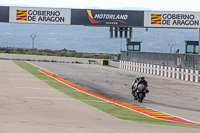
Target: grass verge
pixel 115 110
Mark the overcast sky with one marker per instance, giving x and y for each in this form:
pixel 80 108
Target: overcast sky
pixel 166 5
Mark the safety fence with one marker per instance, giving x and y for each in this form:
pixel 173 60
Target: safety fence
pixel 171 72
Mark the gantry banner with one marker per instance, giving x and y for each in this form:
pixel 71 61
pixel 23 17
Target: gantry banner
pixel 39 15
pixel 169 19
pixel 106 18
pixel 4 14
pixel 90 17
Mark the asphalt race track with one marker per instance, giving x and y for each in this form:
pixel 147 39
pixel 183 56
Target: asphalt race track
pixel 175 97
pixel 28 105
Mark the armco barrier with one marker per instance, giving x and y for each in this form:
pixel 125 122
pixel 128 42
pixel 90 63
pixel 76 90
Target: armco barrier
pixel 171 72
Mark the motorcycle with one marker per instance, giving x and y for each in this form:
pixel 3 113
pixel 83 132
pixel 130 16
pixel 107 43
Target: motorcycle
pixel 140 93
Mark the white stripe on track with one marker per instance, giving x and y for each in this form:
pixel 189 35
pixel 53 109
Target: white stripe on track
pixel 62 99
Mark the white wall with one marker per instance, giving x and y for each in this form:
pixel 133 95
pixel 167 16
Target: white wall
pixel 47 58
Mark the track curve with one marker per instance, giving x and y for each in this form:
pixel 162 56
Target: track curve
pixel 176 97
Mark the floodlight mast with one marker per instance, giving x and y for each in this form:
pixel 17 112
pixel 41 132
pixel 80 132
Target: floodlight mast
pixel 171 46
pixel 33 39
pixel 199 41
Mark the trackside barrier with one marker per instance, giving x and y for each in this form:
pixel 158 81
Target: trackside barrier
pixel 145 68
pixel 154 69
pixel 186 73
pixel 191 75
pixel 142 67
pixel 161 71
pixel 151 69
pixel 148 67
pixel 134 66
pixel 158 70
pixel 131 66
pixel 182 73
pixel 196 75
pixel 139 67
pixel 120 64
pixel 171 72
pixel 126 66
pixel 177 73
pixel 165 72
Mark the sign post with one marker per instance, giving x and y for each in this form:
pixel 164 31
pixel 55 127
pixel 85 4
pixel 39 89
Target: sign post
pixel 199 41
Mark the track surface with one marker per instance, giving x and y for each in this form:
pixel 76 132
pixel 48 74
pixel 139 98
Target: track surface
pixel 176 97
pixel 28 105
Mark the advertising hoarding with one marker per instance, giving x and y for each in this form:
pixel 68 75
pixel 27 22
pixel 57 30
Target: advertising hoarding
pixel 169 19
pixel 107 18
pixel 39 15
pixel 4 14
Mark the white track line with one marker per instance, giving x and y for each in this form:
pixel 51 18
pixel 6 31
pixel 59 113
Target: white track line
pixel 32 88
pixel 22 74
pixel 31 80
pixel 62 99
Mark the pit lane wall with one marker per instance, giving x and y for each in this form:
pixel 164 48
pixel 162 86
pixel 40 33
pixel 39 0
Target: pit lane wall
pixel 171 72
pixel 166 59
pixel 49 58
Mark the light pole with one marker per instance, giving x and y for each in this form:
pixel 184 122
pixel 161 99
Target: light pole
pixel 175 47
pixel 121 45
pixel 33 39
pixel 171 46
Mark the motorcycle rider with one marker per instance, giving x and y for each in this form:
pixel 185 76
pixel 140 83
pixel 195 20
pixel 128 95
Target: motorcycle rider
pixel 134 84
pixel 142 81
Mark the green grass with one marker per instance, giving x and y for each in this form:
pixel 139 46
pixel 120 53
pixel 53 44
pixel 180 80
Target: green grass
pixel 113 109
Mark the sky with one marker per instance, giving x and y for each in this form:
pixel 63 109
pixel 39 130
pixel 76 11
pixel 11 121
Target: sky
pixel 161 5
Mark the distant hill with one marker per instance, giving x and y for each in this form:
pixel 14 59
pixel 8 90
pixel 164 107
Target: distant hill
pixel 90 39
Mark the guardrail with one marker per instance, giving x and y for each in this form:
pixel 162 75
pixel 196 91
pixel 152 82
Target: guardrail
pixel 171 72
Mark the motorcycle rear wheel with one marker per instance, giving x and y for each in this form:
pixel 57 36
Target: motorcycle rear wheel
pixel 141 97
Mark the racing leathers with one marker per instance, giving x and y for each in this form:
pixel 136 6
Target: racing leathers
pixel 144 82
pixel 134 84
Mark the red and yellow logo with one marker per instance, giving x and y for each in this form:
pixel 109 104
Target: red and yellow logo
pixel 91 17
pixel 155 18
pixel 107 18
pixel 21 15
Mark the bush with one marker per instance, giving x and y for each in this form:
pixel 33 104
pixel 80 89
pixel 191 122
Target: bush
pixel 41 53
pixel 15 52
pixel 2 51
pixel 89 56
pixel 27 52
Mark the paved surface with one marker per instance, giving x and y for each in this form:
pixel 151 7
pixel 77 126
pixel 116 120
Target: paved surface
pixel 28 105
pixel 172 96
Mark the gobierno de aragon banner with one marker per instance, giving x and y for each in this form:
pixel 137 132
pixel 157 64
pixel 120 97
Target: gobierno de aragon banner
pixel 171 19
pixel 39 15
pixel 91 17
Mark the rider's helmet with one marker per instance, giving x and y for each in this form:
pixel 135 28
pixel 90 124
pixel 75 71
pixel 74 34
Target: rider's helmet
pixel 142 78
pixel 137 77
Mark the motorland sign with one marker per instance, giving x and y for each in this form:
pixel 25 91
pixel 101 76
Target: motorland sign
pixel 39 15
pixel 107 17
pixel 110 18
pixel 166 19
